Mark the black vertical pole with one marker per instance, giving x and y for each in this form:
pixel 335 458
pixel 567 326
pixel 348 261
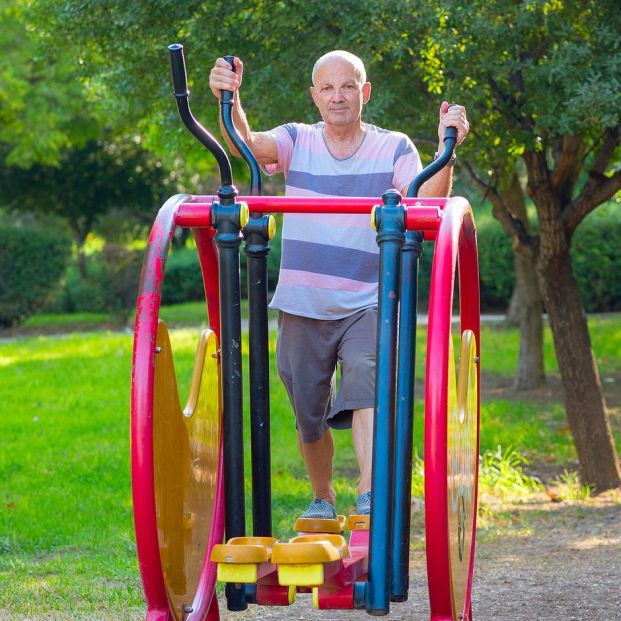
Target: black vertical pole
pixel 258 231
pixel 228 218
pixel 404 422
pixel 390 223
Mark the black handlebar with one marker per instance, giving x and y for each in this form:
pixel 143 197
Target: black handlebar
pixel 226 104
pixel 450 141
pixel 182 95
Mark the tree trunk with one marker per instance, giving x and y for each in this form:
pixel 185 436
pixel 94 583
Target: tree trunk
pixel 525 309
pixel 584 401
pixel 528 312
pixel 82 269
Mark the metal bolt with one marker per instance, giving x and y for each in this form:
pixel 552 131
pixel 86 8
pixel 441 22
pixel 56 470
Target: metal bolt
pixel 158 350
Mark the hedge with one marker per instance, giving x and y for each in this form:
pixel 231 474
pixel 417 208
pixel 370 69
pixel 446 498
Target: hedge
pixel 32 263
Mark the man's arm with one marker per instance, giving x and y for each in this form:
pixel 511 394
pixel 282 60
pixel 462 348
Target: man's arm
pixel 441 183
pixel 261 144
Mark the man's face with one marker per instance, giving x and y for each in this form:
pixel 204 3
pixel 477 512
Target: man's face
pixel 338 92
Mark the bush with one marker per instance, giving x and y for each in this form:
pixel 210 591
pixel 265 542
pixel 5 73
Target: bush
pixel 32 262
pixel 597 261
pixel 183 281
pixel 496 268
pixel 122 270
pixel 496 271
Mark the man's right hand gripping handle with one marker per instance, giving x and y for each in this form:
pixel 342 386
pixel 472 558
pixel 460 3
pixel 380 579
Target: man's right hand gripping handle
pixel 226 75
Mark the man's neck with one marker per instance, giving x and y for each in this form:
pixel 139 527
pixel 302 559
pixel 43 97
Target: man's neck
pixel 343 141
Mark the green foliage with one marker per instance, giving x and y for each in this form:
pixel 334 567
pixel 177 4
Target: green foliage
pixel 43 103
pixel 569 487
pixel 122 270
pixel 110 285
pixel 597 261
pixel 496 268
pixel 502 475
pixel 79 294
pixel 32 262
pixel 183 280
pixel 89 182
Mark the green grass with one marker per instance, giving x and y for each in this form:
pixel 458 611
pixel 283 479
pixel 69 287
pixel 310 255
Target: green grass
pixel 66 534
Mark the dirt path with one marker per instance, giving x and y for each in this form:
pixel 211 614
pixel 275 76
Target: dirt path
pixel 541 561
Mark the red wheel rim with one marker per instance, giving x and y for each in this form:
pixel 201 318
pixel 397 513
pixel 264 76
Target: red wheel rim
pixel 451 447
pixel 145 455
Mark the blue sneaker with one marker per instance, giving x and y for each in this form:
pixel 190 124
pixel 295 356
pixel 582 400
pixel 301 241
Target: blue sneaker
pixel 320 509
pixel 363 504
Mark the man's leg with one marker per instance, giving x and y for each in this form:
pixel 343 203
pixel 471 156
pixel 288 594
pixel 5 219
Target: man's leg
pixel 317 458
pixel 362 435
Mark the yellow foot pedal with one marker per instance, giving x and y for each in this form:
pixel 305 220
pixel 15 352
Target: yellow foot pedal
pixel 358 522
pixel 308 560
pixel 239 559
pixel 317 525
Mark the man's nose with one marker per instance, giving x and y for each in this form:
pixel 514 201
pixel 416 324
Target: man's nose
pixel 338 95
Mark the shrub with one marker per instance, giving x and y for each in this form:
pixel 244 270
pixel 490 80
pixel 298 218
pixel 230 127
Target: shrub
pixel 32 262
pixel 496 268
pixel 183 280
pixel 597 262
pixel 122 269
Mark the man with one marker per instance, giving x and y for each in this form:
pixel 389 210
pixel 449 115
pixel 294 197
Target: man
pixel 327 287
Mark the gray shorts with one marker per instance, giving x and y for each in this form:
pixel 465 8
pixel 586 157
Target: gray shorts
pixel 307 353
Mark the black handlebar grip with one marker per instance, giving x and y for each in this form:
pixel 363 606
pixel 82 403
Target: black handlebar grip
pixel 227 96
pixel 177 67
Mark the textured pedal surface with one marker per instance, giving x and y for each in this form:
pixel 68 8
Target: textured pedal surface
pixel 358 522
pixel 317 525
pixel 244 550
pixel 307 549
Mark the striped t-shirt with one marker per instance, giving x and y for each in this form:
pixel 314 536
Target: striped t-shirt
pixel 329 263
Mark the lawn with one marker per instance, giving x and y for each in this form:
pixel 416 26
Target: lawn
pixel 66 540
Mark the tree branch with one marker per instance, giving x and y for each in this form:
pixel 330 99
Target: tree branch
pixel 568 163
pixel 599 187
pixel 513 225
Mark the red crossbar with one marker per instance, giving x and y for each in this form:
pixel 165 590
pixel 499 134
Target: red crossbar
pixel 423 214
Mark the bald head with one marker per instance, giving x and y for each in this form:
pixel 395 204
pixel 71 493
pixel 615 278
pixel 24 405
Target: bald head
pixel 346 57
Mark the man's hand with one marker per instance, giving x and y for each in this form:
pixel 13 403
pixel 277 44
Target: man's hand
pixel 222 78
pixel 455 116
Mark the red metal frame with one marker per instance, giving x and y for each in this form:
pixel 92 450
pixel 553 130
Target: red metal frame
pixel 455 245
pixel 450 223
pixel 422 214
pixel 143 490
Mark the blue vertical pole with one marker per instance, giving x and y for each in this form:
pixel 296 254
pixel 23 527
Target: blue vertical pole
pixel 405 416
pixel 390 221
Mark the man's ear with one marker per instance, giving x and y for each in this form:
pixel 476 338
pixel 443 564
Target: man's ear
pixel 366 92
pixel 312 93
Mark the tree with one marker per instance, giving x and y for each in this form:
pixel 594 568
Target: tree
pixel 544 78
pixel 87 184
pixel 540 78
pixel 43 107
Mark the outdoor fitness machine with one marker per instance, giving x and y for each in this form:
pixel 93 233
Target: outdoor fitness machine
pixel 188 463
